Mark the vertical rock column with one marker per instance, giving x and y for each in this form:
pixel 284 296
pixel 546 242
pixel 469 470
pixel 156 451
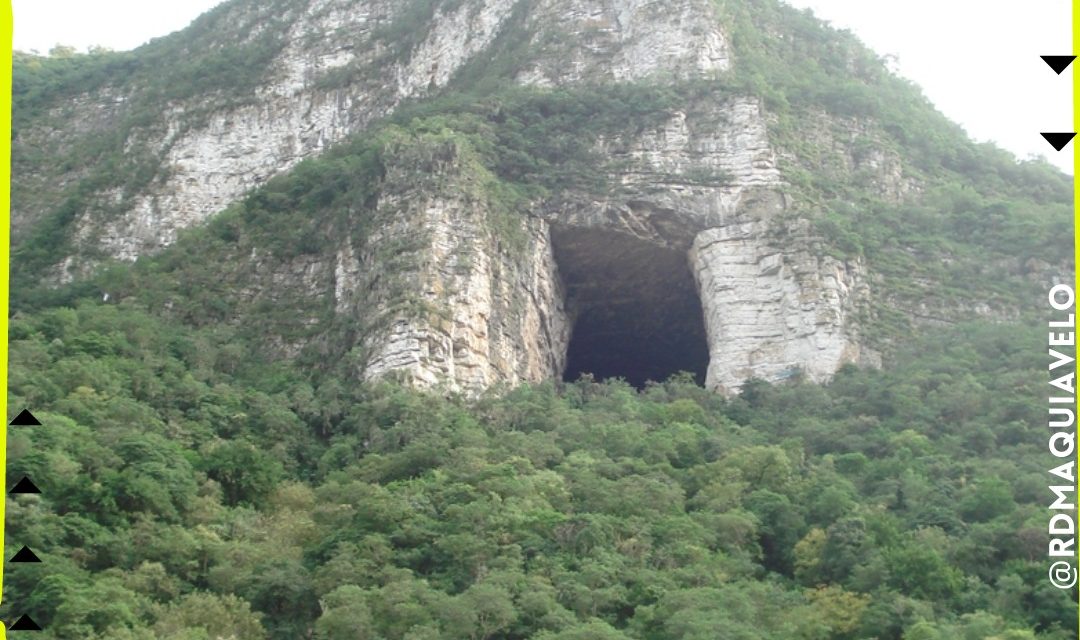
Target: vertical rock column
pixel 464 304
pixel 770 312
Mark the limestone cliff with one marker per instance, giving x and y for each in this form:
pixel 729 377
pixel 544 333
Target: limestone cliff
pixel 208 160
pixel 710 224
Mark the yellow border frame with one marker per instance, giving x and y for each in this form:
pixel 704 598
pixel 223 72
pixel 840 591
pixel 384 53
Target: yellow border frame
pixel 6 25
pixel 1076 182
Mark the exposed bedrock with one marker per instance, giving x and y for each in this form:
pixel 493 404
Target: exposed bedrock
pixel 691 261
pixel 662 275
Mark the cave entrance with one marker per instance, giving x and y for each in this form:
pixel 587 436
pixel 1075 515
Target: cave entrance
pixel 634 306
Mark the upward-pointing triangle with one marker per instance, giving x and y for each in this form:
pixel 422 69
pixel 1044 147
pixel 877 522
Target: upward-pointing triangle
pixel 1059 140
pixel 1058 63
pixel 25 419
pixel 25 623
pixel 24 486
pixel 25 555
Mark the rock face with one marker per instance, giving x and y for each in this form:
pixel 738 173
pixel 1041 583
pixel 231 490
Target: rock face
pixel 211 161
pixel 772 311
pixel 292 117
pixel 624 40
pixel 771 304
pixel 464 308
pixel 440 295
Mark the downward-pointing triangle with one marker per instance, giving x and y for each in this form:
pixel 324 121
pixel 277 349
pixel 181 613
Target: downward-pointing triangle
pixel 25 555
pixel 1058 63
pixel 25 623
pixel 1059 140
pixel 25 419
pixel 24 486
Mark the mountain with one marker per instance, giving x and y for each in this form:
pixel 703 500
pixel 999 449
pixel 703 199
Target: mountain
pixel 524 320
pixel 476 193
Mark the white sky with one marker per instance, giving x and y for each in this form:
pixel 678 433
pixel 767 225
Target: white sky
pixel 977 60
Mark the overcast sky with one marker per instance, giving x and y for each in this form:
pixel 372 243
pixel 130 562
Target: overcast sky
pixel 978 61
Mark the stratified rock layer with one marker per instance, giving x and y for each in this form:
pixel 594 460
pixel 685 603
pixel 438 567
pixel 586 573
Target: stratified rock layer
pixel 452 291
pixel 770 301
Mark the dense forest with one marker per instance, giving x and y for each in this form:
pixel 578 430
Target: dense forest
pixel 191 490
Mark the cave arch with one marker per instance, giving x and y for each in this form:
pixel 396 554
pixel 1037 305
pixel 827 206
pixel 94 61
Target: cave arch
pixel 633 306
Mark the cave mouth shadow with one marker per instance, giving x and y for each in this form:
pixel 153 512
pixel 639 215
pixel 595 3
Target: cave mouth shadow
pixel 634 307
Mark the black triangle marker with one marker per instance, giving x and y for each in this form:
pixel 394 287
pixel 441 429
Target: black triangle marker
pixel 1059 140
pixel 24 486
pixel 25 419
pixel 1058 63
pixel 24 623
pixel 25 555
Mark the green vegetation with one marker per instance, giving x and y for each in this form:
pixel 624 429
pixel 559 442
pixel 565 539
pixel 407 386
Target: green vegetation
pixel 192 488
pixel 969 205
pixel 221 58
pixel 518 146
pixel 192 62
pixel 974 218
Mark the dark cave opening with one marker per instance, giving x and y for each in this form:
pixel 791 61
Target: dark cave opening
pixel 634 306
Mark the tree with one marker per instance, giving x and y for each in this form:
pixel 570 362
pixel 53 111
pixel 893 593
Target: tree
pixel 988 499
pixel 845 548
pixel 841 610
pixel 921 572
pixel 779 529
pixel 219 616
pixel 345 615
pixel 62 51
pixel 590 630
pixel 808 557
pixel 281 590
pixel 247 475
